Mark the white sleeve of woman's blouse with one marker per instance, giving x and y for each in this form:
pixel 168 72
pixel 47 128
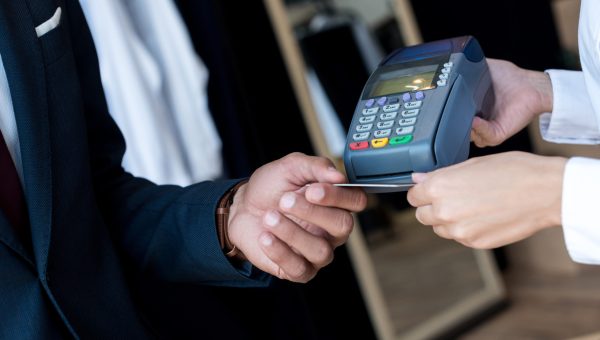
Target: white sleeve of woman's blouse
pixel 574 119
pixel 581 209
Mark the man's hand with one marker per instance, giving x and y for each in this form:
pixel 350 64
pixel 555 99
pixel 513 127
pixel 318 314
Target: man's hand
pixel 518 97
pixel 491 201
pixel 289 229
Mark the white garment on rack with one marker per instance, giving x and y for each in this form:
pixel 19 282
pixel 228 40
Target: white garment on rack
pixel 155 85
pixel 8 122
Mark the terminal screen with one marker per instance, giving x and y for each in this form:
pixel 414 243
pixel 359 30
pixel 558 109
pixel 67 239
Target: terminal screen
pixel 415 79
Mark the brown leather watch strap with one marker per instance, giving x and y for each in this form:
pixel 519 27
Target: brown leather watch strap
pixel 225 203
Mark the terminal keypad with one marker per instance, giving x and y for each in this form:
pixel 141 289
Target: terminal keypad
pixel 389 121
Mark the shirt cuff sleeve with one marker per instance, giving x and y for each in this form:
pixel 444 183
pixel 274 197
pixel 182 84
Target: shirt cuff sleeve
pixel 580 213
pixel 572 120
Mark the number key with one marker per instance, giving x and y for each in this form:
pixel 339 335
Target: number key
pixel 407 121
pixel 366 119
pixel 370 111
pixel 361 136
pixel 413 105
pixel 388 116
pixel 390 108
pixel 364 127
pixel 385 125
pixel 382 133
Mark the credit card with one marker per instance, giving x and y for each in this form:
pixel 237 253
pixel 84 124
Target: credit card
pixel 375 185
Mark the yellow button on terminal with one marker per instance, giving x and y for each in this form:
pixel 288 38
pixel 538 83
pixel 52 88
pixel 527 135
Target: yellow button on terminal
pixel 379 142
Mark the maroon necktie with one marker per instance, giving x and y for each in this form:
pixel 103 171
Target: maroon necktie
pixel 12 200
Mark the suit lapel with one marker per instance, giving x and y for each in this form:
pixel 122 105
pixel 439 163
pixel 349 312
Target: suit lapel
pixel 24 63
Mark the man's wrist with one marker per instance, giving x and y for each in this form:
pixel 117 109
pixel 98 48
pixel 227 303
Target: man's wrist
pixel 226 210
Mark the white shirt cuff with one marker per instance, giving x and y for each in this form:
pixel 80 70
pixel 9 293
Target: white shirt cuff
pixel 572 119
pixel 580 210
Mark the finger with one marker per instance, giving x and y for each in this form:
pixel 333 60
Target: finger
pixel 337 222
pixel 442 232
pixel 309 169
pixel 486 132
pixel 426 216
pixel 315 249
pixel 475 138
pixel 419 177
pixel 352 199
pixel 286 264
pixel 418 196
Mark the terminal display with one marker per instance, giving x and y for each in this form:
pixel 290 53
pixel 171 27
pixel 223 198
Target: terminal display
pixel 412 80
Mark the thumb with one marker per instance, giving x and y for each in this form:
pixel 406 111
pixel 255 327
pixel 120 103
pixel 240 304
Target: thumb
pixel 310 169
pixel 419 177
pixel 485 133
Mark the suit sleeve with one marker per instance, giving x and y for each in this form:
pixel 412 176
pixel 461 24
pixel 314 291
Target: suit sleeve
pixel 166 230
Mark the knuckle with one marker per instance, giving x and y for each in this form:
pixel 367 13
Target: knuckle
pixel 294 155
pixel 463 235
pixel 324 254
pixel 419 214
pixel 431 188
pixel 442 213
pixel 440 231
pixel 292 159
pixel 360 200
pixel 346 223
pixel 325 162
pixel 279 273
pixel 299 271
pixel 308 275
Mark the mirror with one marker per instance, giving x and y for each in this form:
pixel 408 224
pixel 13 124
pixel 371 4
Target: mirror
pixel 416 285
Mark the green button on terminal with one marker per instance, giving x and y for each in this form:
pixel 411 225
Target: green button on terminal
pixel 401 139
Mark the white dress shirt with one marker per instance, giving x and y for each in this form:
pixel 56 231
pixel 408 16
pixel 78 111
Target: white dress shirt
pixel 8 123
pixel 155 85
pixel 575 119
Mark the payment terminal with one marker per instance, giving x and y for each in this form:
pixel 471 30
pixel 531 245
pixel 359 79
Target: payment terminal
pixel 415 113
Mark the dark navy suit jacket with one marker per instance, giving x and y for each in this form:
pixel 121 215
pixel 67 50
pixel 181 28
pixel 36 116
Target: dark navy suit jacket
pixel 91 222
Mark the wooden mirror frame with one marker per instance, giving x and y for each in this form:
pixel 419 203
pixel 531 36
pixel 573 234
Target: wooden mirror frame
pixel 450 319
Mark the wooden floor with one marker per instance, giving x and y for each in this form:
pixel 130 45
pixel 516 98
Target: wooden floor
pixel 422 277
pixel 546 306
pixel 417 273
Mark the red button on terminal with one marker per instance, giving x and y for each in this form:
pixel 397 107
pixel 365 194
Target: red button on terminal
pixel 359 145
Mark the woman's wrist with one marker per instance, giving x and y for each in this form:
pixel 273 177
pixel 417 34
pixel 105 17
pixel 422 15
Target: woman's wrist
pixel 553 173
pixel 542 84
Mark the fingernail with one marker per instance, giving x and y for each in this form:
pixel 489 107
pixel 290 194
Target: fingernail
pixel 316 193
pixel 332 168
pixel 418 177
pixel 272 218
pixel 288 200
pixel 266 240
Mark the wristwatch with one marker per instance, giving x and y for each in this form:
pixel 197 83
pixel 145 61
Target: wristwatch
pixel 225 203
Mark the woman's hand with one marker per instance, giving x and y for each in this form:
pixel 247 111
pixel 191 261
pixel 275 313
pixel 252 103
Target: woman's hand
pixel 518 96
pixel 491 201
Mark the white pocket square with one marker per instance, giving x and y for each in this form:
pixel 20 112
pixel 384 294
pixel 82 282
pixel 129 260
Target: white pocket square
pixel 50 24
